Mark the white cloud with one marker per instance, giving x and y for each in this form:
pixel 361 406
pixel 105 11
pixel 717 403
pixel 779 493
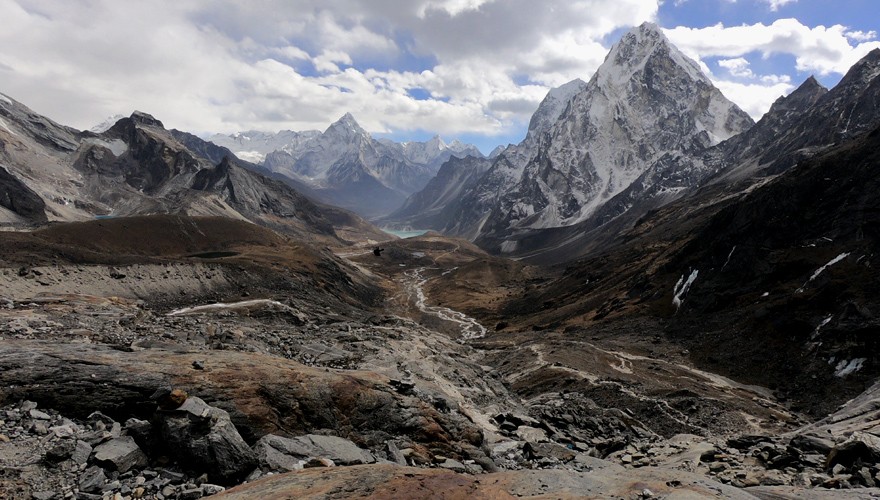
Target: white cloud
pixel 738 67
pixel 819 49
pixel 227 65
pixel 754 98
pixel 451 7
pixel 776 4
pixel 861 36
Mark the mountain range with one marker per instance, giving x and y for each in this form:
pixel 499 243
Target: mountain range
pixel 49 172
pixel 345 165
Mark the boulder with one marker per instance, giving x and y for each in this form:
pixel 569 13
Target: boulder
pixel 92 480
pixel 204 439
pixel 860 446
pixel 81 452
pixel 531 434
pixel 535 451
pixel 120 454
pixel 284 452
pixel 811 443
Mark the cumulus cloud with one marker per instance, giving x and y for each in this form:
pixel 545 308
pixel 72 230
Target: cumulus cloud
pixel 484 65
pixel 227 65
pixel 776 4
pixel 737 67
pixel 819 49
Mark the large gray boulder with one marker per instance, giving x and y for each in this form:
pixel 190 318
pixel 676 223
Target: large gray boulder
pixel 204 439
pixel 120 454
pixel 280 453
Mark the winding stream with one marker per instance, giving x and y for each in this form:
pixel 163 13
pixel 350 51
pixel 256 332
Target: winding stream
pixel 414 283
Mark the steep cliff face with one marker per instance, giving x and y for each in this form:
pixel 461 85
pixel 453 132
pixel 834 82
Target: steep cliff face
pixel 647 100
pixel 434 206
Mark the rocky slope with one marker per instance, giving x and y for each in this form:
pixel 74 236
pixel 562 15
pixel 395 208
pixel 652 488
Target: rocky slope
pixel 433 206
pixel 779 273
pixel 230 352
pixel 464 214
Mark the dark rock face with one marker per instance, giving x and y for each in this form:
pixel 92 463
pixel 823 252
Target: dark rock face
pixel 17 197
pixel 206 438
pixel 434 206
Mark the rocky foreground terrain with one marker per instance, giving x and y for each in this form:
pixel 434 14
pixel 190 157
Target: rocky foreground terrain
pixel 230 360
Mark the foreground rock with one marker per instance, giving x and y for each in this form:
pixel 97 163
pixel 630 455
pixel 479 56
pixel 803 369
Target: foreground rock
pixel 205 437
pixel 262 394
pixel 605 480
pixel 284 454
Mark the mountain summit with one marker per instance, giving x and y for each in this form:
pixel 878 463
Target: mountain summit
pixel 646 100
pixel 588 142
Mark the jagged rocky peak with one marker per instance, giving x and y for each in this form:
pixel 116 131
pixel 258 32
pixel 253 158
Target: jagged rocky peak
pixel 866 69
pixel 801 99
pixel 647 99
pixel 553 105
pixel 645 61
pixel 346 127
pixel 145 119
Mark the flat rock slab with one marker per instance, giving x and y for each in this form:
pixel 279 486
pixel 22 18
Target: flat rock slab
pixel 120 454
pixel 389 481
pixel 340 451
pixel 793 493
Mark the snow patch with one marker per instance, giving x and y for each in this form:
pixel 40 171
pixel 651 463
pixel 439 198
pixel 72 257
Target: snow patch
pixel 5 126
pixel 509 246
pixel 5 99
pixel 821 325
pixel 728 257
pixel 251 156
pixel 821 270
pixel 682 287
pixel 116 146
pixel 235 305
pixel 845 367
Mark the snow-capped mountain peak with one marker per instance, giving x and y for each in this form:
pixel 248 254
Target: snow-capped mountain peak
pixel 646 100
pixel 632 52
pixel 106 124
pixel 346 126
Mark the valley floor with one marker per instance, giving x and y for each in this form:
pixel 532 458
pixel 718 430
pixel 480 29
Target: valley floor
pixel 423 379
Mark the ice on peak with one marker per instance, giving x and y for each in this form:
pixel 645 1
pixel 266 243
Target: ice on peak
pixel 346 124
pixel 106 124
pixel 5 99
pixel 436 143
pixel 567 90
pixel 631 54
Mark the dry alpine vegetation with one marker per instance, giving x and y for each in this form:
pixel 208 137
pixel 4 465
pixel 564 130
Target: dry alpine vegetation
pixel 224 354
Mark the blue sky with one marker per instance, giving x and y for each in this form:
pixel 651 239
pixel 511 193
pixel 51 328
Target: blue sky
pixel 406 69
